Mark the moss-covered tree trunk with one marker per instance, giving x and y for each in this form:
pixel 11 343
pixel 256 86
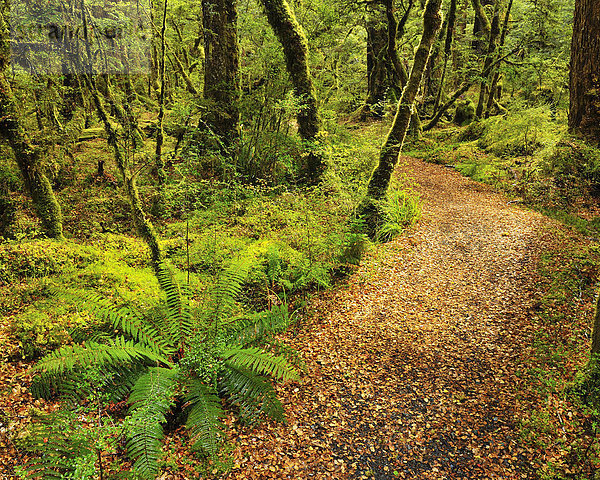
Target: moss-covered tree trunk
pixel 495 90
pixel 447 52
pixel 489 58
pixel 390 151
pixel 295 47
pixel 143 225
pixel 584 87
pixel 26 154
pixel 377 59
pixel 222 68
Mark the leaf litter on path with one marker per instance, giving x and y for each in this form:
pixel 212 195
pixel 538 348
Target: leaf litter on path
pixel 413 364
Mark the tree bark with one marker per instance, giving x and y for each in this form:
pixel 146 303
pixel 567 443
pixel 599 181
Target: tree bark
pixel 377 58
pixel 447 52
pixel 489 58
pixel 390 151
pixel 222 68
pixel 295 48
pixel 496 77
pixel 27 155
pixel 584 78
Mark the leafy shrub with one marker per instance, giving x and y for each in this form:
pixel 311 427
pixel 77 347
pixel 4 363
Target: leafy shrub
pixel 521 133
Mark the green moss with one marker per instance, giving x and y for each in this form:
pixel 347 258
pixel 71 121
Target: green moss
pixel 43 258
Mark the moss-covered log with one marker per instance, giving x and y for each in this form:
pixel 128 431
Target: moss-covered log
pixel 295 48
pixel 390 151
pixel 27 155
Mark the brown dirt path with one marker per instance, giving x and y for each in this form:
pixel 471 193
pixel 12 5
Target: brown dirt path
pixel 412 367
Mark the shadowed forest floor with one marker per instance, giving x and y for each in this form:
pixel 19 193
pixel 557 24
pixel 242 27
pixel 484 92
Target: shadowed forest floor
pixel 413 366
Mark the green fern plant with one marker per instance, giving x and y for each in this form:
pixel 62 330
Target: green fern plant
pixel 175 355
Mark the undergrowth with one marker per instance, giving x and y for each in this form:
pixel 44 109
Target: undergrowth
pixel 566 420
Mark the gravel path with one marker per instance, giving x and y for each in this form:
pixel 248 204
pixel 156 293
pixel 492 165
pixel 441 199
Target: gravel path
pixel 413 364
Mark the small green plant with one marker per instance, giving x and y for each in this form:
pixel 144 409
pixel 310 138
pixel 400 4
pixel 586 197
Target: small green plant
pixel 179 356
pixel 401 209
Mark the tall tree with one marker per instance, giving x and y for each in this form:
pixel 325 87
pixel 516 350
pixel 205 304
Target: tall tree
pixel 377 58
pixel 390 151
pixel 27 155
pixel 222 68
pixel 295 48
pixel 584 108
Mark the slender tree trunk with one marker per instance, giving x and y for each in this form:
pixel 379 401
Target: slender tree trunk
pixel 390 151
pixel 481 25
pixel 489 58
pixel 295 47
pixel 222 68
pixel 158 155
pixel 395 31
pixel 584 78
pixel 143 225
pixel 447 52
pixel 496 77
pixel 377 59
pixel 27 155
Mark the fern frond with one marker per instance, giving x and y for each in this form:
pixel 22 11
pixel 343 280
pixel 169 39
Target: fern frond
pixel 125 318
pixel 229 286
pixel 56 446
pixel 179 320
pixel 251 393
pixel 118 352
pixel 263 363
pixel 260 327
pixel 204 417
pixel 152 396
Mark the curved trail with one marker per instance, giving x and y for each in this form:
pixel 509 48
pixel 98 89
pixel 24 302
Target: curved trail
pixel 413 364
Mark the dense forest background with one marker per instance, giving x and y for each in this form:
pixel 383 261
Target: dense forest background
pixel 178 178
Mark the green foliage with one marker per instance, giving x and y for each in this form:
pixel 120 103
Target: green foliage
pixel 177 351
pixel 401 209
pixel 42 258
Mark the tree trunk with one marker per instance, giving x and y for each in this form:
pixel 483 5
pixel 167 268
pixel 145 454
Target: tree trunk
pixel 584 78
pixel 377 59
pixel 390 151
pixel 26 154
pixel 447 52
pixel 481 24
pixel 494 90
pixel 295 48
pixel 222 68
pixel 489 58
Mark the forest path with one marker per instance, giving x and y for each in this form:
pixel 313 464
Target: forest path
pixel 412 366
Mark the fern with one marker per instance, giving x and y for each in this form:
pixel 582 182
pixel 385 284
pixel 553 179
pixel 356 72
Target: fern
pixel 251 393
pixel 204 417
pixel 115 353
pixel 179 319
pixel 263 363
pixel 167 354
pixel 227 289
pixel 151 398
pixel 58 444
pixel 125 318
